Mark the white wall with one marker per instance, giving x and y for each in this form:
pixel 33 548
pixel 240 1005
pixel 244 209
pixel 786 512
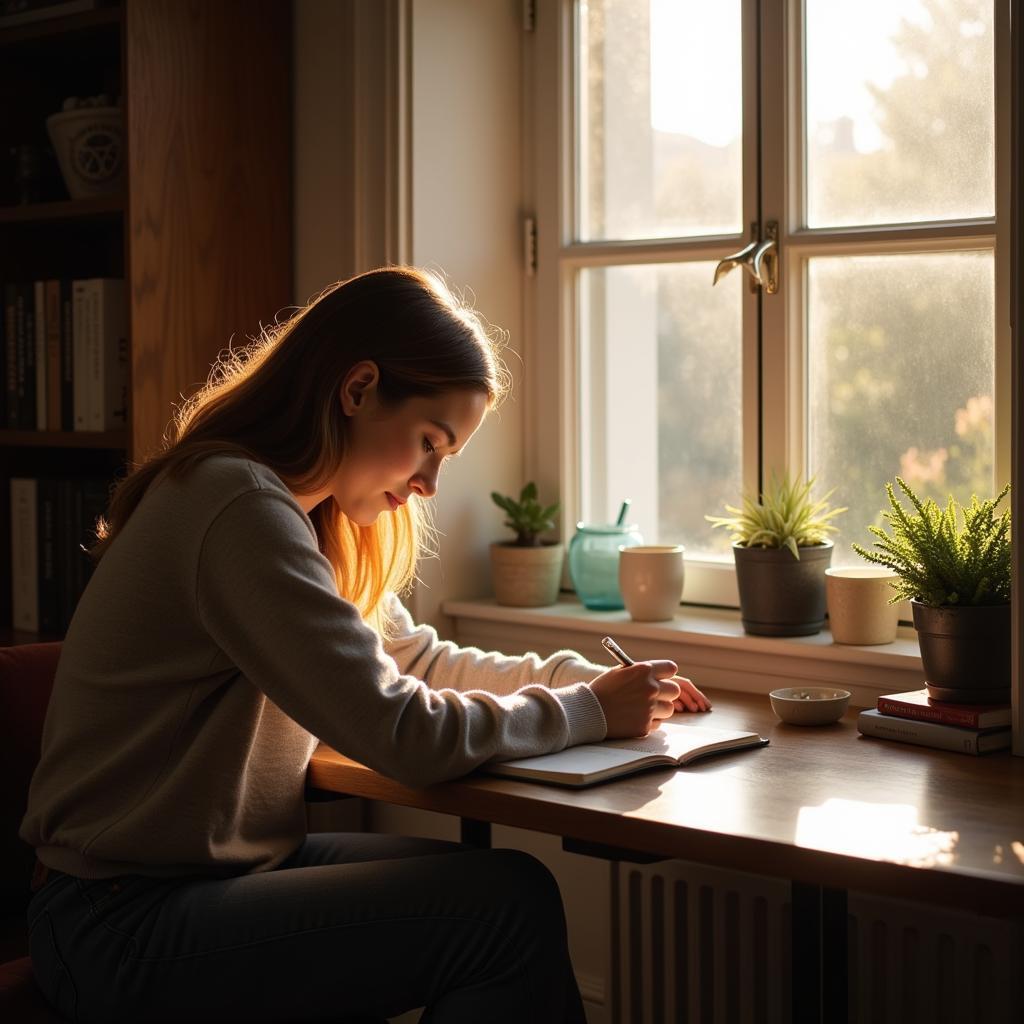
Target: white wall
pixel 466 213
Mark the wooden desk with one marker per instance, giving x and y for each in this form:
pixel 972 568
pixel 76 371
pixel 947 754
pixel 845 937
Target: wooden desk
pixel 823 807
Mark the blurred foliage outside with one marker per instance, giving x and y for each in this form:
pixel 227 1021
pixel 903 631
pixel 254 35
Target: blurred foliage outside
pixel 900 347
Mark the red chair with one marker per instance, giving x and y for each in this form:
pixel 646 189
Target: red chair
pixel 26 679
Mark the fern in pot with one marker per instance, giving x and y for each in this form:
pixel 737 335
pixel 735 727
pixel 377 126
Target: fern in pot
pixel 782 549
pixel 526 571
pixel 954 566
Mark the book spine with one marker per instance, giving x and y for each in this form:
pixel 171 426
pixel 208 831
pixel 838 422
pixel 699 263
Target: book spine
pixel 20 403
pixel 925 734
pixel 10 353
pixel 3 355
pixel 49 609
pixel 66 552
pixel 53 328
pixel 24 555
pixel 67 356
pixel 28 413
pixel 39 321
pixel 94 357
pixel 918 712
pixel 113 404
pixel 80 293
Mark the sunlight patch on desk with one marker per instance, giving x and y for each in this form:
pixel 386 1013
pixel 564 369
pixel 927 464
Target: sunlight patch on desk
pixel 888 832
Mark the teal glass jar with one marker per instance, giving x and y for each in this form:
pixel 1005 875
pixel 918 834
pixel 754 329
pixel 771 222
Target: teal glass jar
pixel 594 562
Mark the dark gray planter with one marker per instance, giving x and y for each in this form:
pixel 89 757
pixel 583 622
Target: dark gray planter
pixel 965 651
pixel 779 595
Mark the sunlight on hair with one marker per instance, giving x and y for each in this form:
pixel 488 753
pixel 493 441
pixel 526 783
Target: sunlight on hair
pixel 274 400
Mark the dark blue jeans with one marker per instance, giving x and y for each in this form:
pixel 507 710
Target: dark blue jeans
pixel 350 927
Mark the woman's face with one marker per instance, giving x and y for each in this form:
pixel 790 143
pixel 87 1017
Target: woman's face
pixel 394 451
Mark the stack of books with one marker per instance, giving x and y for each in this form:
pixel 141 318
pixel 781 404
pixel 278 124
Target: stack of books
pixel 64 355
pixel 51 520
pixel 914 717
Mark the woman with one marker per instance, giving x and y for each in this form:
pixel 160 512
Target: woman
pixel 242 608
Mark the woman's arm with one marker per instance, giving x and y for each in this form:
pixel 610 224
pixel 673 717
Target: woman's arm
pixel 444 665
pixel 266 596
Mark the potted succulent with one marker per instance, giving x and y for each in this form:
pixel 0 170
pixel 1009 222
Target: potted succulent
pixel 782 550
pixel 957 579
pixel 526 571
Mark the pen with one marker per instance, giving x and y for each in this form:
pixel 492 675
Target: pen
pixel 616 651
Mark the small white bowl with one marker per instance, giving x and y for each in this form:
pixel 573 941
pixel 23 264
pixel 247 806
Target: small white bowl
pixel 809 705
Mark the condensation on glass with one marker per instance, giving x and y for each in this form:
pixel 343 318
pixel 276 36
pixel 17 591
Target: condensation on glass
pixel 901 365
pixel 899 111
pixel 661 411
pixel 659 119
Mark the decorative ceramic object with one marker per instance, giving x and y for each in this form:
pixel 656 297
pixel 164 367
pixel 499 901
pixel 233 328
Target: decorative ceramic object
pixel 594 562
pixel 651 580
pixel 859 605
pixel 809 705
pixel 89 143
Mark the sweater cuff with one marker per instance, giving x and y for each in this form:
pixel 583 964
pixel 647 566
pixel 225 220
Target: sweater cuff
pixel 573 669
pixel 583 714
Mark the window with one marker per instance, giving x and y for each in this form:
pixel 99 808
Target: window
pixel 870 139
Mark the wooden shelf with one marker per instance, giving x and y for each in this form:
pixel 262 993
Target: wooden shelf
pixel 103 207
pixel 112 439
pixel 46 28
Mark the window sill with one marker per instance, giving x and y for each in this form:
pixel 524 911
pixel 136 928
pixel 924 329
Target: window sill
pixel 708 644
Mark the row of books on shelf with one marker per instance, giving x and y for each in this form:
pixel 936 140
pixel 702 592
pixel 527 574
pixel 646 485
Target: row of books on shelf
pixel 65 354
pixel 914 717
pixel 51 520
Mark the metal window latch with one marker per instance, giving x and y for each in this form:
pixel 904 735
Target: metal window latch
pixel 760 259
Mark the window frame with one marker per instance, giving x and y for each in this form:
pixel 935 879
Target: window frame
pixel 774 431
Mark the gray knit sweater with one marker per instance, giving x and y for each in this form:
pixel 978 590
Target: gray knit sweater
pixel 210 652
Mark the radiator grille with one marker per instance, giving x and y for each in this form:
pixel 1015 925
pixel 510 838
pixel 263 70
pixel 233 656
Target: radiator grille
pixel 698 945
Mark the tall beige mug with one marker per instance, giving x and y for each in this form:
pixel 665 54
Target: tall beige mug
pixel 858 605
pixel 651 580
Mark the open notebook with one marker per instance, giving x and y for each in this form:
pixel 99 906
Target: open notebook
pixel 671 745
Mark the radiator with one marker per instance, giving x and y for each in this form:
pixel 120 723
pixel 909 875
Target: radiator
pixel 697 945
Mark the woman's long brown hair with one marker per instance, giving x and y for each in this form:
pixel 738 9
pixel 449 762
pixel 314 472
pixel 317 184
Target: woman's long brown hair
pixel 277 401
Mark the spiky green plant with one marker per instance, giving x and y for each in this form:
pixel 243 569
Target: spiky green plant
pixel 527 517
pixel 938 562
pixel 785 517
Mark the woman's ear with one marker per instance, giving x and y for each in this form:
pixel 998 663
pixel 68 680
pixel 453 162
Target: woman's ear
pixel 359 387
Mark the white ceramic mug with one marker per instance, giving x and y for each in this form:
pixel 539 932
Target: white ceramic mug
pixel 859 611
pixel 651 580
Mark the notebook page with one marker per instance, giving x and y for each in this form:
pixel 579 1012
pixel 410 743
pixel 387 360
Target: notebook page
pixel 675 739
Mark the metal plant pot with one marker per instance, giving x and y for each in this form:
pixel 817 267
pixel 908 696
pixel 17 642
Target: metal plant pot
pixel 965 651
pixel 779 595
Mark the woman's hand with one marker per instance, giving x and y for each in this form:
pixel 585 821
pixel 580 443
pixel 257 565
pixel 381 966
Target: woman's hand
pixel 635 698
pixel 690 698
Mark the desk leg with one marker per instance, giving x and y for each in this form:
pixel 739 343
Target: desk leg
pixel 834 955
pixel 819 968
pixel 475 833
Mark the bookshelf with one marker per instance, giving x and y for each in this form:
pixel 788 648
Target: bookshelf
pixel 200 231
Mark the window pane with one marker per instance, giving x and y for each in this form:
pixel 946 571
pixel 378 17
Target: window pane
pixel 659 94
pixel 660 399
pixel 900 111
pixel 901 364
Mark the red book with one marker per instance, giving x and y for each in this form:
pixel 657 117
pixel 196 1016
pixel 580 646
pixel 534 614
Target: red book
pixel 918 705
